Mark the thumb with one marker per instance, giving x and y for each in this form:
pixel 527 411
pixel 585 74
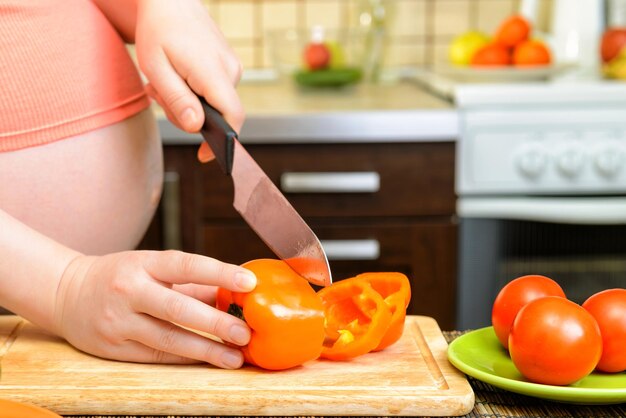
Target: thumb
pixel 205 154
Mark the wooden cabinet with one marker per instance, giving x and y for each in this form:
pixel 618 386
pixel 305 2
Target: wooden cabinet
pixel 378 206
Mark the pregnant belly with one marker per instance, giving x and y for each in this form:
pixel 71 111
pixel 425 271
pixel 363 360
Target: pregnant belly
pixel 95 192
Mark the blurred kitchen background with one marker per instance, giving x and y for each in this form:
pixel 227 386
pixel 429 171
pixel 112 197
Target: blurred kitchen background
pixel 403 155
pixel 417 32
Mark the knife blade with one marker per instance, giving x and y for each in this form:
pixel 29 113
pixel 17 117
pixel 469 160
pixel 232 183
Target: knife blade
pixel 262 205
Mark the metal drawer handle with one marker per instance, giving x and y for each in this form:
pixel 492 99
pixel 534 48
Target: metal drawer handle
pixel 352 249
pixel 172 239
pixel 330 182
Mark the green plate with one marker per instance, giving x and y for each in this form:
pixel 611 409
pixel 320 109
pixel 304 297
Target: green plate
pixel 480 355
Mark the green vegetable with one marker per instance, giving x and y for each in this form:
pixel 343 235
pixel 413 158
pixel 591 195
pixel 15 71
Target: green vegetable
pixel 334 77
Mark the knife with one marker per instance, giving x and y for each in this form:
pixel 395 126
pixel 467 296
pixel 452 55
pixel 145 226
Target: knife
pixel 262 205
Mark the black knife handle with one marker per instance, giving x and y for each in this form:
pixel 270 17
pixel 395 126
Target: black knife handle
pixel 219 135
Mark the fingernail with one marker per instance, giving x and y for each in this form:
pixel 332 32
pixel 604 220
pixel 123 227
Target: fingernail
pixel 188 117
pixel 202 157
pixel 245 280
pixel 239 334
pixel 232 360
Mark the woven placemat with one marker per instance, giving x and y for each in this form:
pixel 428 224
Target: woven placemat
pixel 492 402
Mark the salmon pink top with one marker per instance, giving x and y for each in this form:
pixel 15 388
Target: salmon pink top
pixel 64 70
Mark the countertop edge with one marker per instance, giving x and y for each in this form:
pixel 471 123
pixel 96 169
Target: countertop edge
pixel 418 125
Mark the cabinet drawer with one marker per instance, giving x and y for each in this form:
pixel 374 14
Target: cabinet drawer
pixel 348 180
pixel 425 252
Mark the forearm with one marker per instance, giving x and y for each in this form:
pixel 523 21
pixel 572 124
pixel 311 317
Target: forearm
pixel 122 14
pixel 31 266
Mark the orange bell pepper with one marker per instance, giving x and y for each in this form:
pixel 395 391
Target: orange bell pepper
pixel 284 313
pixel 357 318
pixel 395 289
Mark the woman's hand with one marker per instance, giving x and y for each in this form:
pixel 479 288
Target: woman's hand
pixel 124 306
pixel 181 52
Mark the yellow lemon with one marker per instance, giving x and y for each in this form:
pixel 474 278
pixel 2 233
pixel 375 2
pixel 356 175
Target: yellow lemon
pixel 337 55
pixel 465 45
pixel 616 68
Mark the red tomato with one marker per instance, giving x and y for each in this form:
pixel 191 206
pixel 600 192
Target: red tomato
pixel 491 55
pixel 554 341
pixel 613 40
pixel 513 31
pixel 316 56
pixel 530 53
pixel 609 309
pixel 514 296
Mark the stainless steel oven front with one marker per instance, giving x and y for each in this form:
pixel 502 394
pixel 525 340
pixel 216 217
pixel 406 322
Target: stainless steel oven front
pixel 541 184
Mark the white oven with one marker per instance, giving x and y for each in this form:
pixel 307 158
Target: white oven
pixel 541 184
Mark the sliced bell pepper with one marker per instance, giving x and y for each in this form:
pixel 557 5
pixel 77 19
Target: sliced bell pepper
pixel 284 313
pixel 357 318
pixel 395 289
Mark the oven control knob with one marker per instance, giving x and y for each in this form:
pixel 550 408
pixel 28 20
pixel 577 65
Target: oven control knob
pixel 608 161
pixel 570 161
pixel 531 160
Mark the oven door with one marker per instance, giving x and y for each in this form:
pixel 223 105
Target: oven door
pixel 578 241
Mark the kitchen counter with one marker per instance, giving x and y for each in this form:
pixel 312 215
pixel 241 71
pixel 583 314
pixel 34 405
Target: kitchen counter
pixel 282 112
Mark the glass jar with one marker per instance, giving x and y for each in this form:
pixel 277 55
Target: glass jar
pixel 373 16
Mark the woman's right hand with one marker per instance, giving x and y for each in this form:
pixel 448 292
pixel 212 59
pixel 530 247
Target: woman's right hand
pixel 182 52
pixel 125 306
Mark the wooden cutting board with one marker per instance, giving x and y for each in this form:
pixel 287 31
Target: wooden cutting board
pixel 412 377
